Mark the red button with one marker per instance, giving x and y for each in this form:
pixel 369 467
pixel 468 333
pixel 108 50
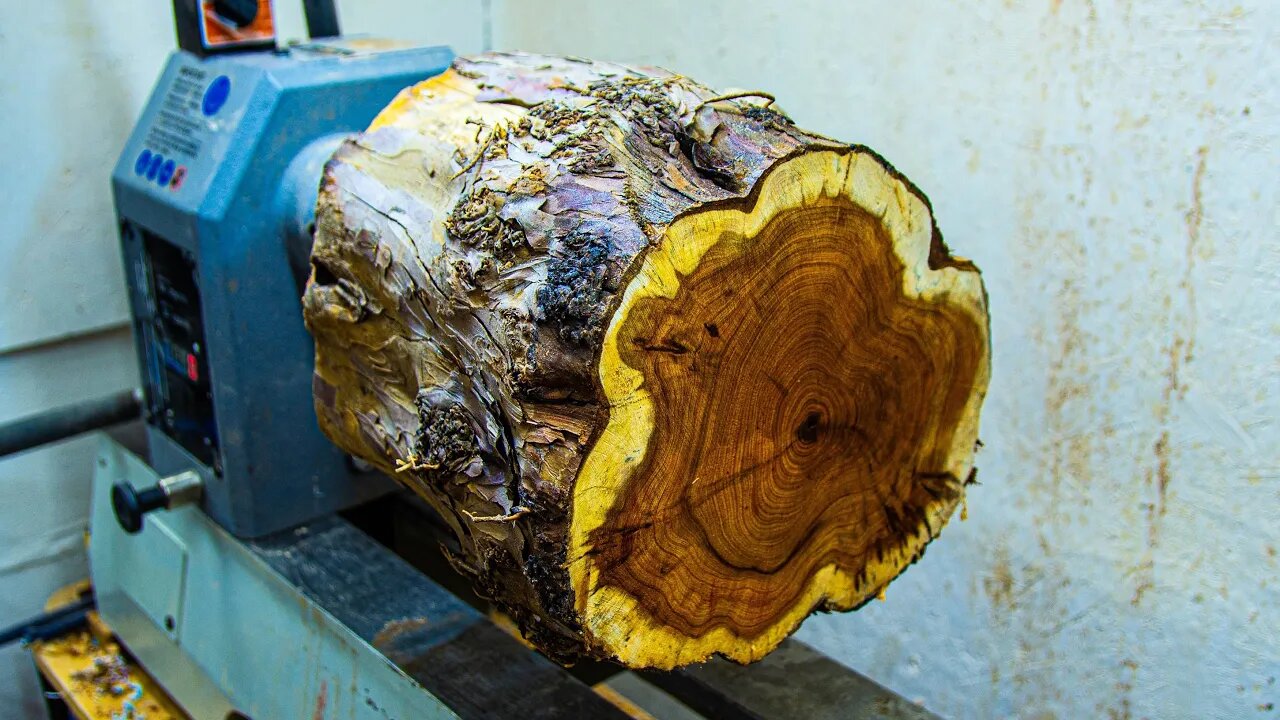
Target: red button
pixel 178 176
pixel 193 369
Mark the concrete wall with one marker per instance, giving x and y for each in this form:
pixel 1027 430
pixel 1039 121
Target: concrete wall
pixel 1113 168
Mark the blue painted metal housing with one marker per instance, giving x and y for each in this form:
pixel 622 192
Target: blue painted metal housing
pixel 206 207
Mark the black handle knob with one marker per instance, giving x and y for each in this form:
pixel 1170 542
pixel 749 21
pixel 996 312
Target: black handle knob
pixel 130 505
pixel 239 12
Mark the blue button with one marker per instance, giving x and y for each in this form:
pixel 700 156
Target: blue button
pixel 140 165
pixel 156 161
pixel 166 172
pixel 215 96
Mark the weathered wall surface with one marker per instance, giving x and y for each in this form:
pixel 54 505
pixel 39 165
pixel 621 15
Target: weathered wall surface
pixel 1115 170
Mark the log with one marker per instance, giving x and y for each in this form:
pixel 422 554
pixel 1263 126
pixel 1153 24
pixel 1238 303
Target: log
pixel 676 372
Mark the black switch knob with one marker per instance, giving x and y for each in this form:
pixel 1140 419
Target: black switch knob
pixel 239 12
pixel 130 504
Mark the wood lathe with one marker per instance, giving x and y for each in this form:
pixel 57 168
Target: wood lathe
pixel 639 371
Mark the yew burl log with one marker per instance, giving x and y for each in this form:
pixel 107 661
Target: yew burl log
pixel 676 372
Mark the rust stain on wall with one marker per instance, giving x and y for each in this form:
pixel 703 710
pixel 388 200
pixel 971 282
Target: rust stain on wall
pixel 1124 686
pixel 999 584
pixel 1179 353
pixel 1195 219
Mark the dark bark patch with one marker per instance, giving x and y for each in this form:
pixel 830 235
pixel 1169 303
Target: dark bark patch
pixel 446 439
pixel 576 295
pixel 768 116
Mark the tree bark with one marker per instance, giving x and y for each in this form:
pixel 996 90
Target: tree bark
pixel 677 372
